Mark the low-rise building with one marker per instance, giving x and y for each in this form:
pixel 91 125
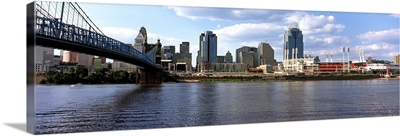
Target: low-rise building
pixel 184 60
pixel 332 66
pixel 266 68
pixel 229 67
pixel 307 64
pixel 374 67
pixel 119 65
pixel 184 65
pixel 44 59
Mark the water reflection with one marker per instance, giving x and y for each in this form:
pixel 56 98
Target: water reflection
pixel 62 109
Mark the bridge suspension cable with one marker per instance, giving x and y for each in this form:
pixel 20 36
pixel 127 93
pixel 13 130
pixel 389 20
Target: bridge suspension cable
pixel 66 12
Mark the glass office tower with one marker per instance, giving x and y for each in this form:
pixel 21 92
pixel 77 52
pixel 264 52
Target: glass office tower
pixel 293 43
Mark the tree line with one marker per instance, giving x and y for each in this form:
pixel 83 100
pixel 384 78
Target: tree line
pixel 80 74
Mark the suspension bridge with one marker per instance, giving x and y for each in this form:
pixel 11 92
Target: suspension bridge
pixel 65 26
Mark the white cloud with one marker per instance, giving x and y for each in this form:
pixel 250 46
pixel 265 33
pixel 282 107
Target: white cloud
pixel 128 35
pixel 165 40
pixel 195 13
pixel 373 47
pixel 391 54
pixel 395 15
pixel 380 44
pixel 248 34
pixel 325 40
pixel 324 52
pixel 277 20
pixel 318 31
pixel 391 36
pixel 322 33
pixel 250 43
pixel 249 31
pixel 311 24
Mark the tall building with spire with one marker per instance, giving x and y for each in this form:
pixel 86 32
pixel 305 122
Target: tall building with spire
pixel 144 33
pixel 293 46
pixel 141 40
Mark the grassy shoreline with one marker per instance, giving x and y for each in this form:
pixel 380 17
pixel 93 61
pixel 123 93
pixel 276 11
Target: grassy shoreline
pixel 272 78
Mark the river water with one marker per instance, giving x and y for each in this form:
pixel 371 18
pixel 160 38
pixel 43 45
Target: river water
pixel 64 109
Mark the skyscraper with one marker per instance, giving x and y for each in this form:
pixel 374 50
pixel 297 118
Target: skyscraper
pixel 265 54
pixel 293 46
pixel 184 47
pixel 208 49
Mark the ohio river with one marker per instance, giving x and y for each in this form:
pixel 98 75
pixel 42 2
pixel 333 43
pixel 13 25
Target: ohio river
pixel 64 109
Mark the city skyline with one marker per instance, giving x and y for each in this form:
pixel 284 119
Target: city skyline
pixel 324 32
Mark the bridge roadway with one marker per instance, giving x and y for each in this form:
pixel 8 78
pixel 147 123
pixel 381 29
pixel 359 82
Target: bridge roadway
pixel 46 41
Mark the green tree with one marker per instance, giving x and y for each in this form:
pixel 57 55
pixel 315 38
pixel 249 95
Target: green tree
pixel 92 79
pixel 43 81
pixel 81 72
pixel 70 78
pixel 110 76
pixel 132 77
pixel 71 70
pixel 123 77
pixel 50 75
pixel 58 78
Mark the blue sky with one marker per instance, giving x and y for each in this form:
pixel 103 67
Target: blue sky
pixel 376 34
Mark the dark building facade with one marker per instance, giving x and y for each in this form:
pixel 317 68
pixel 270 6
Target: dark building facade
pixel 184 47
pixel 208 50
pixel 245 49
pixel 293 46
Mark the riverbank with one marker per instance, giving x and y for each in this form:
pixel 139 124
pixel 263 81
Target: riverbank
pixel 307 78
pixel 275 78
pixel 197 79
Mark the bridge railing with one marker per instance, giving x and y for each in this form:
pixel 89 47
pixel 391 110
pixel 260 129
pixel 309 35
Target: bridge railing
pixel 51 27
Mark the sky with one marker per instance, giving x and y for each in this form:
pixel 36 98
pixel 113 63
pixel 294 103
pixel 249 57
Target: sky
pixel 377 34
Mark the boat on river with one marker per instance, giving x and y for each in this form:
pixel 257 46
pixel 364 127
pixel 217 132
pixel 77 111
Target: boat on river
pixel 76 85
